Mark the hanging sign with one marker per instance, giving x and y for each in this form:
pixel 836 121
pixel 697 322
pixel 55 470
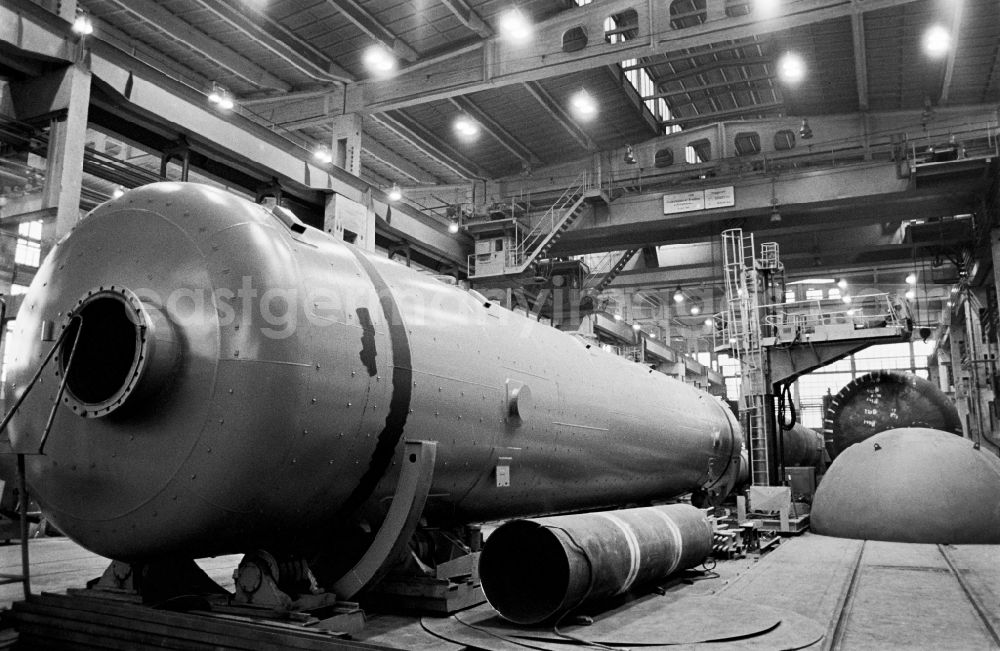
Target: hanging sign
pixel 720 197
pixel 683 202
pixel 699 200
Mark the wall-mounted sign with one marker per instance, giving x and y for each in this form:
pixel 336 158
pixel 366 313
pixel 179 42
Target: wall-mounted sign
pixel 720 197
pixel 683 202
pixel 699 200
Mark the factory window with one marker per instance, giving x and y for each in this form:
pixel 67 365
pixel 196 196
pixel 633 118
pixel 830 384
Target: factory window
pixel 784 140
pixel 735 8
pixel 28 250
pixel 663 158
pixel 747 143
pixel 574 39
pixel 814 294
pixel 8 357
pixel 702 150
pixel 621 27
pixel 790 296
pixel 907 356
pixel 833 292
pixel 16 289
pixel 687 13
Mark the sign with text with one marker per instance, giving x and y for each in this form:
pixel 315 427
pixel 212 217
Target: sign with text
pixel 683 202
pixel 720 197
pixel 699 200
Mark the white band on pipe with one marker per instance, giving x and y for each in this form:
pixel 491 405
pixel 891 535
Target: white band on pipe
pixel 674 529
pixel 633 549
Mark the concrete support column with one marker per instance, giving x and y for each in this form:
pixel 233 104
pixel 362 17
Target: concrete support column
pixel 350 221
pixel 67 138
pixel 345 146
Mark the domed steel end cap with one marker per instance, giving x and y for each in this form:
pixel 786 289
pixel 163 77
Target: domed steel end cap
pixel 911 485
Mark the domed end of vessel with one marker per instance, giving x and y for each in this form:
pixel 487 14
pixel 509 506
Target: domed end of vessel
pixel 911 485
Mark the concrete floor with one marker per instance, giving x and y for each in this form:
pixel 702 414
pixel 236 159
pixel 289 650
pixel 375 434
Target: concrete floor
pixel 868 595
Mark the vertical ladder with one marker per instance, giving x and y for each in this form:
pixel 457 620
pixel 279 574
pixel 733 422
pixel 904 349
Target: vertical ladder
pixel 743 331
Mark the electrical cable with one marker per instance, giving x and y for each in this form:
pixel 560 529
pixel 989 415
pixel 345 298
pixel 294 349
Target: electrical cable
pixel 786 406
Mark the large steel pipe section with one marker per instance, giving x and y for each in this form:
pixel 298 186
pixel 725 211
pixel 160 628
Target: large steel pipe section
pixel 535 570
pixel 801 446
pixel 243 381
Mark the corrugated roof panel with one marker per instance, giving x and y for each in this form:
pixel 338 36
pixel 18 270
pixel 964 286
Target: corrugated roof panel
pixel 393 141
pixel 485 150
pixel 521 114
pixel 976 74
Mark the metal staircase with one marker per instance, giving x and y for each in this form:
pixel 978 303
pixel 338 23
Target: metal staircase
pixel 742 326
pixel 608 276
pixel 557 220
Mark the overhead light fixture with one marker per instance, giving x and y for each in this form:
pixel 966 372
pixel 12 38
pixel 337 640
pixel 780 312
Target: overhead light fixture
pixel 937 41
pixel 842 283
pixel 846 298
pixel 221 97
pixel 911 294
pixel 775 215
pixel 949 303
pixel 515 27
pixel 322 154
pixel 678 295
pixel 652 335
pixel 709 322
pixel 911 279
pixel 119 191
pixel 466 127
pixel 629 155
pixel 618 317
pixel 395 194
pixel 805 132
pixel 636 327
pixel 453 226
pixel 851 312
pixel 379 60
pixel 791 68
pixel 954 289
pixel 765 8
pixel 82 24
pixel 583 105
pixel 695 309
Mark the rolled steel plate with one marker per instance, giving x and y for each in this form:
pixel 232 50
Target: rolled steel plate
pixel 652 622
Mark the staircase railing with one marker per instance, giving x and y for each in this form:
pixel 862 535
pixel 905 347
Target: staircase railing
pixel 546 226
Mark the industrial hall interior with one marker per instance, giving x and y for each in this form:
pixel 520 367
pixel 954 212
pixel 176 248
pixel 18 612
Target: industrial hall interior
pixel 500 325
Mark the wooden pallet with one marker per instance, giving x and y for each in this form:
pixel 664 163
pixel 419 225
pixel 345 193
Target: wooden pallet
pixel 54 621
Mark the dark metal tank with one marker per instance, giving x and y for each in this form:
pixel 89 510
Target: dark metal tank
pixel 884 400
pixel 242 381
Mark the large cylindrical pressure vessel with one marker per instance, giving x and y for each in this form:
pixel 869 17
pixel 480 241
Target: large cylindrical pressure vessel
pixel 884 400
pixel 535 570
pixel 243 381
pixel 801 446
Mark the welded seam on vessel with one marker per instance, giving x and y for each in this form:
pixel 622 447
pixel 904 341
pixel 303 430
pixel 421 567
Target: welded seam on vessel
pixel 635 554
pixel 678 537
pixel 402 387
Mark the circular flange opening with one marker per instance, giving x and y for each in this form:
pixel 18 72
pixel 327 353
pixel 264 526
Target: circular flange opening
pixel 110 351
